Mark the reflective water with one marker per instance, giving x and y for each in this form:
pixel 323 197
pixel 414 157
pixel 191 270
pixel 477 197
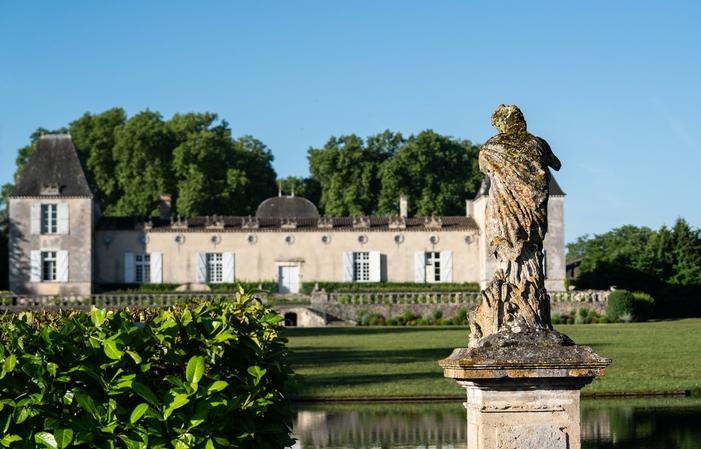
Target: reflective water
pixel 640 424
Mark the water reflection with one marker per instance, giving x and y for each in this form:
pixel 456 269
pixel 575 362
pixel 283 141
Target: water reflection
pixel 640 424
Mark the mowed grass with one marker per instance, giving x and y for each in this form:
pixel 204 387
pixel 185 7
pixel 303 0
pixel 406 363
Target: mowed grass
pixel 402 361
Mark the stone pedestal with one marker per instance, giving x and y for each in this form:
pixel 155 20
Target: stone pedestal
pixel 523 390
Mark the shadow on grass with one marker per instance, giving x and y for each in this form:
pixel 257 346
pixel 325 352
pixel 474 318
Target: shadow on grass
pixel 368 330
pixel 308 356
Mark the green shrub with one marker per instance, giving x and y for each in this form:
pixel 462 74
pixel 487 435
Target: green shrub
pixel 438 314
pixel 423 322
pixel 211 374
pixel 377 320
pixel 409 315
pixel 392 322
pixel 554 320
pixel 446 322
pixel 644 306
pixel 583 312
pixel 377 287
pixel 363 318
pixel 620 302
pixel 579 320
pixel 604 320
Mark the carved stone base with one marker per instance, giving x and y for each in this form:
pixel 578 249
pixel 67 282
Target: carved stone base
pixel 524 392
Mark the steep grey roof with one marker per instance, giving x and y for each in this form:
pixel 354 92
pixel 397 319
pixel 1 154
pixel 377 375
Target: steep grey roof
pixel 54 163
pixel 553 188
pixel 236 224
pixel 287 207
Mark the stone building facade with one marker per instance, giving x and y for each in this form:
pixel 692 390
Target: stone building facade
pixel 60 243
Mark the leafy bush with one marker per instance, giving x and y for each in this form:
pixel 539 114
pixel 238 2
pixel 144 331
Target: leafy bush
pixel 438 314
pixel 137 288
pixel 604 320
pixel 579 319
pixel 205 375
pixel 391 322
pixel 268 286
pixel 620 302
pixel 376 287
pixel 409 315
pixel 644 306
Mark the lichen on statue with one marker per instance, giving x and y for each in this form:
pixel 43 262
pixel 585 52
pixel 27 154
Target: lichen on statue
pixel 516 163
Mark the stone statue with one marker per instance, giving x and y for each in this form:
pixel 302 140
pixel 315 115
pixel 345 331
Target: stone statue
pixel 516 163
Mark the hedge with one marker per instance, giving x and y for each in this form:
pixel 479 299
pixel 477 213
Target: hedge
pixel 269 286
pixel 620 304
pixel 396 287
pixel 204 375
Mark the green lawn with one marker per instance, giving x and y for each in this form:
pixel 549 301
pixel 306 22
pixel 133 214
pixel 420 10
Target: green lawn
pixel 402 361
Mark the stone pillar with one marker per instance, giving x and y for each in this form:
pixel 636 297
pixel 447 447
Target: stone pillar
pixel 523 389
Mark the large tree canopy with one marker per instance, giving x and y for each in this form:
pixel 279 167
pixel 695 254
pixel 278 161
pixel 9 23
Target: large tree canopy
pixel 356 177
pixel 665 263
pixel 132 161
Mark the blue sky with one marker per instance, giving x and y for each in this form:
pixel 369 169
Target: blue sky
pixel 612 86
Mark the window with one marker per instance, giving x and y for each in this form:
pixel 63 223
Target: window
pixel 361 267
pixel 142 267
pixel 214 267
pixel 48 266
pixel 433 267
pixel 49 218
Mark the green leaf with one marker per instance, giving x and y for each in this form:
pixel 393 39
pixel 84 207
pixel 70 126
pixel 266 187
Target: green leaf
pixel 10 363
pixel 88 403
pixel 145 392
pixel 136 439
pixel 98 316
pixel 136 357
pixel 7 440
pixel 195 369
pixel 112 350
pixel 216 386
pixel 209 445
pixel 46 439
pixel 178 401
pixel 21 414
pixel 63 437
pixel 138 412
pixel 256 371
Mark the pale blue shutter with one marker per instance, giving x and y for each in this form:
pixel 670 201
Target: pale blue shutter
pixel 446 266
pixel 201 268
pixel 347 267
pixel 62 266
pixel 228 265
pixel 63 218
pixel 35 266
pixel 375 266
pixel 129 267
pixel 156 268
pixel 35 227
pixel 420 267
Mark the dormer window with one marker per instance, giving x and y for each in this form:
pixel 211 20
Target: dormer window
pixel 49 218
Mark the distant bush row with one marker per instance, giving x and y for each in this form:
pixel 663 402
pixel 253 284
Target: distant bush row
pixel 395 287
pixel 408 318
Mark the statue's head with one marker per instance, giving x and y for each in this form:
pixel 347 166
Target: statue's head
pixel 508 119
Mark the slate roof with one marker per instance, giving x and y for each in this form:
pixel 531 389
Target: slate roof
pixel 54 162
pixel 287 206
pixel 235 224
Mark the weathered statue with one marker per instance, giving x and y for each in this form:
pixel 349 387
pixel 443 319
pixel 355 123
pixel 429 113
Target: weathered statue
pixel 516 163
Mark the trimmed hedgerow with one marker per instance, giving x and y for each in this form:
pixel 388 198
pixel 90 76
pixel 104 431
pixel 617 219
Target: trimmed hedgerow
pixel 204 375
pixel 379 287
pixel 620 303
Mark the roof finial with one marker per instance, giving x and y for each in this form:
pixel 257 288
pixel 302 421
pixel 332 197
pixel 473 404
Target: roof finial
pixel 293 190
pixel 279 188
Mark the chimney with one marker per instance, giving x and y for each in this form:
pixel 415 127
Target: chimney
pixel 403 205
pixel 469 208
pixel 165 206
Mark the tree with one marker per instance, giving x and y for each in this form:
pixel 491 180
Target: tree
pixel 257 163
pixel 143 154
pixel 95 137
pixel 437 173
pixel 348 172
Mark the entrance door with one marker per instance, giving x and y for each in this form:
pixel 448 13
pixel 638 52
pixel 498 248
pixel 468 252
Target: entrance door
pixel 289 279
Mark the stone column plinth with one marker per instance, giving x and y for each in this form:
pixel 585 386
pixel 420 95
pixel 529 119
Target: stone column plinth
pixel 524 393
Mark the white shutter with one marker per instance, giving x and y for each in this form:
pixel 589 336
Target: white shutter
pixel 201 268
pixel 228 267
pixel 35 266
pixel 419 266
pixel 63 218
pixel 36 222
pixel 62 266
pixel 156 268
pixel 446 266
pixel 347 267
pixel 129 267
pixel 375 266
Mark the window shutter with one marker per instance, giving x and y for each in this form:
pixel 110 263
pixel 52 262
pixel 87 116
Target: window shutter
pixel 156 268
pixel 63 218
pixel 228 267
pixel 446 266
pixel 129 267
pixel 36 222
pixel 62 266
pixel 201 268
pixel 420 267
pixel 347 267
pixel 34 266
pixel 375 266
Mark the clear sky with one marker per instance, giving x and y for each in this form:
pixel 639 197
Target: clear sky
pixel 613 86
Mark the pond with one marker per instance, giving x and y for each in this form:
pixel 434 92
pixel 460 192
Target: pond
pixel 664 423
